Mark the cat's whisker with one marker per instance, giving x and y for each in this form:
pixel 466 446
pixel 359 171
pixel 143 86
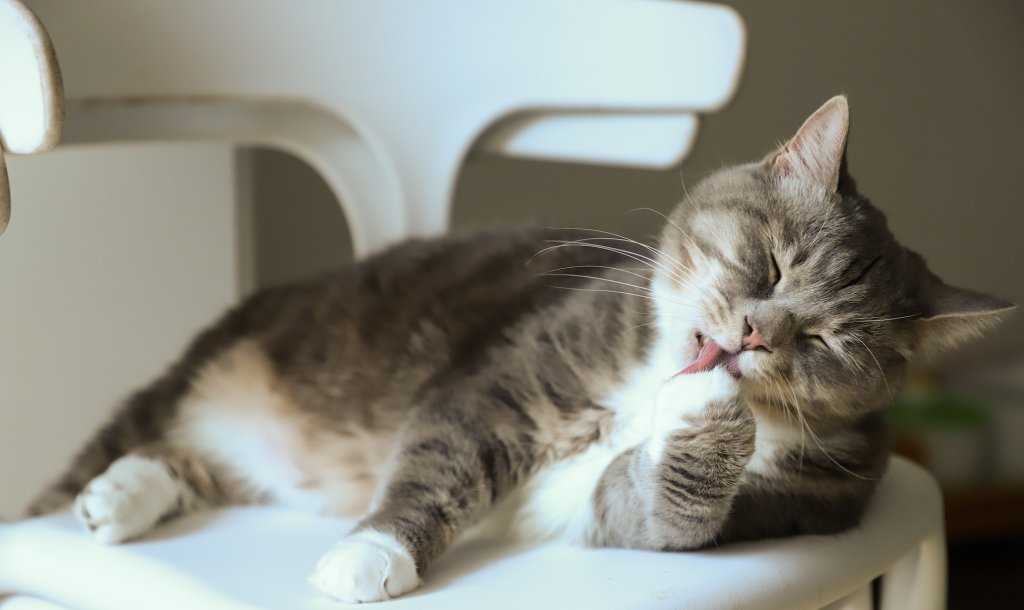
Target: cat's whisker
pixel 803 435
pixel 596 278
pixel 677 270
pixel 651 323
pixel 880 320
pixel 790 409
pixel 683 233
pixel 588 242
pixel 632 294
pixel 817 440
pixel 653 249
pixel 879 365
pixel 799 417
pixel 627 284
pixel 824 220
pixel 570 267
pixel 677 267
pixel 652 263
pixel 771 396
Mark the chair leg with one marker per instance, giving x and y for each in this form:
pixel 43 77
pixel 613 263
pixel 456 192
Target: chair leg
pixel 918 580
pixel 858 600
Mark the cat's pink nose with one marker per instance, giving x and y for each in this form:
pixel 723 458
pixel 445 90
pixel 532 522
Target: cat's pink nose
pixel 752 337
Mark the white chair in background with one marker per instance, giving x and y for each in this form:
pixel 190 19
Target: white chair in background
pixel 31 100
pixel 384 100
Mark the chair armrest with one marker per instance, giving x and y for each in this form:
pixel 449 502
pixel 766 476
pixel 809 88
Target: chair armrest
pixel 647 140
pixel 31 96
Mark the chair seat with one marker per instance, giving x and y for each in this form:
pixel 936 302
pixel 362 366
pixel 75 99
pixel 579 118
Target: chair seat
pixel 256 557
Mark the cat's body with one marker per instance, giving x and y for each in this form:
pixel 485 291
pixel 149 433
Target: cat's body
pixel 727 385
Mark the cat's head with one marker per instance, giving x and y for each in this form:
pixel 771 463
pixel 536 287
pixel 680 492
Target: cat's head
pixel 795 275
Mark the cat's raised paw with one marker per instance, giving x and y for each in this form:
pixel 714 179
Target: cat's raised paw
pixel 687 396
pixel 126 500
pixel 368 566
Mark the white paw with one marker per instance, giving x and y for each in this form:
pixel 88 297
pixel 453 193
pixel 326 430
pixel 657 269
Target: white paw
pixel 686 396
pixel 126 500
pixel 368 566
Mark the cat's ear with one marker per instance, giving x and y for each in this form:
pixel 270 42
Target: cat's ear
pixel 815 153
pixel 952 316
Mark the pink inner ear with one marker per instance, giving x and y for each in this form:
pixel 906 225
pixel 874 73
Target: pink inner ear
pixel 815 153
pixel 780 160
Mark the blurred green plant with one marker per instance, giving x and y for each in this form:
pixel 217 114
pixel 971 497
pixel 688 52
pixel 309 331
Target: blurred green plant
pixel 917 411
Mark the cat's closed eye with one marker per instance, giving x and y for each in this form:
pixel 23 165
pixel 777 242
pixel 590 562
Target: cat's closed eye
pixel 774 275
pixel 814 340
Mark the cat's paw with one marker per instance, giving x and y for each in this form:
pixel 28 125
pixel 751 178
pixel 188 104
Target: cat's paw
pixel 368 566
pixel 126 500
pixel 685 398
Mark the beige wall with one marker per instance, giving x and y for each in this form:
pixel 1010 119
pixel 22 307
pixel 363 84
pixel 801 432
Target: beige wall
pixel 937 130
pixel 113 260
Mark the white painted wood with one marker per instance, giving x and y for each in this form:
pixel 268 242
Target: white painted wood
pixel 409 85
pixel 198 563
pixel 858 600
pixel 653 140
pixel 31 102
pixel 918 580
pixel 31 109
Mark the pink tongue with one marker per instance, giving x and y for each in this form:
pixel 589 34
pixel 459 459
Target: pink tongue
pixel 706 359
pixel 710 356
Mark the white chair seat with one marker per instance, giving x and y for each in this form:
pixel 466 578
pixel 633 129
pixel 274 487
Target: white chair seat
pixel 249 558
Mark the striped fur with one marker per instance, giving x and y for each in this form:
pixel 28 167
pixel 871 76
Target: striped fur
pixel 536 368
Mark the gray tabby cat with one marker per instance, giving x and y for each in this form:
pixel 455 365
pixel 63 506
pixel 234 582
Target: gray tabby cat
pixel 727 385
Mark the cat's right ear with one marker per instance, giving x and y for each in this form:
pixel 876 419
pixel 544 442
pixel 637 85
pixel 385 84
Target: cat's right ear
pixel 952 316
pixel 815 154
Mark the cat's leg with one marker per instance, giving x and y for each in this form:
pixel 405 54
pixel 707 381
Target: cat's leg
pixel 675 491
pixel 143 488
pixel 448 470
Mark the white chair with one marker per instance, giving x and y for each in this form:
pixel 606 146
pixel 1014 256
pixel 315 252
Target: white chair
pixel 259 558
pixel 553 80
pixel 384 99
pixel 31 100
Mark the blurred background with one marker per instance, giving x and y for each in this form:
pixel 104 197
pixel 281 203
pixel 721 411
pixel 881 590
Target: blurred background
pixel 936 95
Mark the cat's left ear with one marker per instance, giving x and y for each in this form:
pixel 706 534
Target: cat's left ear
pixel 815 154
pixel 952 316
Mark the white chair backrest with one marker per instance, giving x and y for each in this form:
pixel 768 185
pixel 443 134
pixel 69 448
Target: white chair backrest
pixel 31 102
pixel 386 98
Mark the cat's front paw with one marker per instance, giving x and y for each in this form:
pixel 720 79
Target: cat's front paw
pixel 684 399
pixel 126 500
pixel 368 566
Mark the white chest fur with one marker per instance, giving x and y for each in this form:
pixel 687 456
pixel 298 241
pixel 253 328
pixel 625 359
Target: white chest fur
pixel 557 501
